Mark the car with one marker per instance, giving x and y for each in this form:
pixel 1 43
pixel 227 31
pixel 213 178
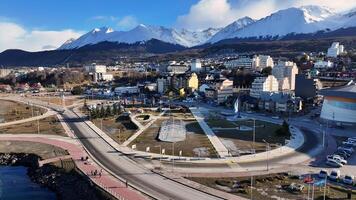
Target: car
pixel 338 158
pixel 348 179
pixel 334 163
pixel 351 143
pixel 351 139
pixel 342 153
pixel 323 174
pixel 296 187
pixel 334 175
pixel 349 150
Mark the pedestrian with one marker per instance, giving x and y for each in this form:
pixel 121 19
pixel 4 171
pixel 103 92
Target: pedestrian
pixel 126 183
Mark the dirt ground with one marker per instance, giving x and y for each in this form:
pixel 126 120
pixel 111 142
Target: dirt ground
pixel 274 186
pixel 58 100
pixel 45 151
pixel 243 140
pixel 196 141
pixel 49 125
pixel 115 130
pixel 12 111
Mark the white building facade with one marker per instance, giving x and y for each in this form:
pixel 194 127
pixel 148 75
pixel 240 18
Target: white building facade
pixel 263 84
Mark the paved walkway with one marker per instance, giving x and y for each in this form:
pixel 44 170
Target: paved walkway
pixel 106 181
pixel 215 141
pixel 47 114
pixel 55 159
pixel 134 136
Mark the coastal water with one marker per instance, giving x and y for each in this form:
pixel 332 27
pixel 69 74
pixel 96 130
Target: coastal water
pixel 16 185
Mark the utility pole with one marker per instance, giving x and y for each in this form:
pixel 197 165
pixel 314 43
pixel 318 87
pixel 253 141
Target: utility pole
pixel 38 124
pixel 251 187
pixel 326 178
pixel 267 152
pixel 254 134
pixel 173 156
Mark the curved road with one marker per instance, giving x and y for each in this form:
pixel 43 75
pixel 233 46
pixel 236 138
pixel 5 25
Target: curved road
pixel 139 177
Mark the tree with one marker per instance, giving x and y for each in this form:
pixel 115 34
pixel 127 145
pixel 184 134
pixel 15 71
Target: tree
pixel 77 90
pixel 102 112
pixel 284 130
pixel 107 111
pixel 267 71
pixel 114 109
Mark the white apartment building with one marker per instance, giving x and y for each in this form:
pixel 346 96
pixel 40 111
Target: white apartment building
pixel 94 68
pixel 335 50
pixel 243 62
pixel 285 69
pixel 195 66
pixel 224 89
pixel 263 84
pixel 262 61
pixel 323 64
pixel 126 90
pixel 161 85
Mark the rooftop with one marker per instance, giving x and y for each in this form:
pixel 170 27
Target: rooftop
pixel 346 91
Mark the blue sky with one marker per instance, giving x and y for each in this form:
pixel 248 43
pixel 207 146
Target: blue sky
pixel 36 25
pixel 87 14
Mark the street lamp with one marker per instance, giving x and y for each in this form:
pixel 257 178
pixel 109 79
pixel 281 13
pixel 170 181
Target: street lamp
pixel 160 155
pixel 267 152
pixel 173 156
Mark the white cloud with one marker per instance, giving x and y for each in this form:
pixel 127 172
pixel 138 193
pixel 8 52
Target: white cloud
pixel 14 36
pixel 127 22
pixel 219 13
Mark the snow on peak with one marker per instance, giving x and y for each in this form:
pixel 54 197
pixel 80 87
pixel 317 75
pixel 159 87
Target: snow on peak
pixel 305 19
pixel 231 29
pixel 314 13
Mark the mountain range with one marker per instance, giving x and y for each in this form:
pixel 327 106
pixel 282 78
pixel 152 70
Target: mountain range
pixel 302 20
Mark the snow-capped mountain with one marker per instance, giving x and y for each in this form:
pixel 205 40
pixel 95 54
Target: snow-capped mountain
pixel 292 20
pixel 306 19
pixel 142 33
pixel 231 29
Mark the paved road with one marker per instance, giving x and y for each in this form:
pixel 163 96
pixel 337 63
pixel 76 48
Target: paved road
pixel 139 177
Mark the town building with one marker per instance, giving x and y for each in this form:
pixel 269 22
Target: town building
pixel 305 87
pixel 98 72
pixel 4 72
pixel 196 66
pixel 192 82
pixel 335 50
pixel 162 85
pixel 241 62
pixel 126 90
pixel 323 64
pixel 285 69
pixel 263 84
pixel 339 104
pixel 262 61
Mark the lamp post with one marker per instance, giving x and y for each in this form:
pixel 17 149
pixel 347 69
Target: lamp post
pixel 267 152
pixel 160 155
pixel 173 156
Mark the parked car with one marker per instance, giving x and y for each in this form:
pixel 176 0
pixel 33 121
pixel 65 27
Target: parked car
pixel 334 175
pixel 343 153
pixel 351 139
pixel 333 163
pixel 337 158
pixel 296 187
pixel 323 174
pixel 348 179
pixel 349 142
pixel 349 150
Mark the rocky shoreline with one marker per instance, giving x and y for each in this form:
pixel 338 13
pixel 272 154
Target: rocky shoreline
pixel 67 185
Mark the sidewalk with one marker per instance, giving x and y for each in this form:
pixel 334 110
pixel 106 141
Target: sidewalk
pixel 106 181
pixel 142 128
pixel 215 141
